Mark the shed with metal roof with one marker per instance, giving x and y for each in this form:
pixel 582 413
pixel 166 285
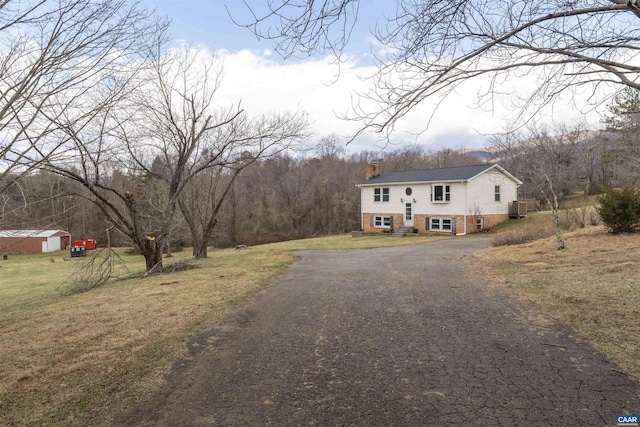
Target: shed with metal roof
pixel 33 241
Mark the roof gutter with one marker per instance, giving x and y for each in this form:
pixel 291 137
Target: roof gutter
pixel 378 184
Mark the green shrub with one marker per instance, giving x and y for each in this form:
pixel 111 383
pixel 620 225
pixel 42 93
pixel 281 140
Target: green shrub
pixel 620 209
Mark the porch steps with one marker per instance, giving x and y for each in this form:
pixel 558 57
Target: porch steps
pixel 402 231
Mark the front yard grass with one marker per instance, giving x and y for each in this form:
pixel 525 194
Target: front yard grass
pixel 593 286
pixel 78 359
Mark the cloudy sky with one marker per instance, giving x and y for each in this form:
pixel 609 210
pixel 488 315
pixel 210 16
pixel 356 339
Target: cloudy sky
pixel 264 81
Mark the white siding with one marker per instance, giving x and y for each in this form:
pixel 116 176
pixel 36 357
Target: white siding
pixel 424 205
pixel 482 196
pixel 421 193
pixel 53 243
pixel 467 198
pixel 394 205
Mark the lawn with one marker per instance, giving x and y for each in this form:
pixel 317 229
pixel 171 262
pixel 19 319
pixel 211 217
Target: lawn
pixel 592 285
pixel 78 359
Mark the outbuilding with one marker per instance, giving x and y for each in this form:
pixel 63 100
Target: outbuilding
pixel 33 241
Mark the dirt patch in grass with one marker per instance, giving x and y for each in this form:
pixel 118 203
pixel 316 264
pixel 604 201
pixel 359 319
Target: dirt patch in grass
pixel 592 285
pixel 79 359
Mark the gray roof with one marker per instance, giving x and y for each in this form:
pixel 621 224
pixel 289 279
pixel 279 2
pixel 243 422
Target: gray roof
pixel 462 173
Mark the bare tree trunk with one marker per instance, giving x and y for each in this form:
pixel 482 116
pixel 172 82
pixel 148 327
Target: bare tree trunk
pixel 233 232
pixel 152 252
pixel 554 211
pixel 200 250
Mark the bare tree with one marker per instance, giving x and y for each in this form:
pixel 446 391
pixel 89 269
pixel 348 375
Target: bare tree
pixel 548 161
pixel 251 140
pixel 51 54
pixel 432 47
pixel 163 129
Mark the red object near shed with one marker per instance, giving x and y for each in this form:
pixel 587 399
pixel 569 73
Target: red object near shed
pixel 87 243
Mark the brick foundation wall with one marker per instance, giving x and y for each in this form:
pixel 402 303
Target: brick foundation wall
pixel 420 223
pixel 489 221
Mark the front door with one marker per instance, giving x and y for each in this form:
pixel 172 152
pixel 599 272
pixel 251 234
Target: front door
pixel 408 214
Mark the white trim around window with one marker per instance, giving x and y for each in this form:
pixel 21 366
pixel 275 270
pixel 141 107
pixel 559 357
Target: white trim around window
pixel 381 194
pixel 440 224
pixel 381 221
pixel 440 193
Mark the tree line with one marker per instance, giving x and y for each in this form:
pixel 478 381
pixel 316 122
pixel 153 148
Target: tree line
pixel 298 194
pixel 286 196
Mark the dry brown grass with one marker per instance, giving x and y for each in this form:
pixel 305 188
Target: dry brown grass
pixel 78 359
pixel 593 285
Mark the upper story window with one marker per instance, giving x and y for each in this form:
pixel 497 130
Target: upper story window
pixel 497 193
pixel 440 193
pixel 381 194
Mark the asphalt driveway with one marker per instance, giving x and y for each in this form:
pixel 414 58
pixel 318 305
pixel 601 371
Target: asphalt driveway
pixel 400 336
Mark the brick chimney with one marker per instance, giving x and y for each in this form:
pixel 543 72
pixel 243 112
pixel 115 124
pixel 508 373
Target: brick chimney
pixel 373 169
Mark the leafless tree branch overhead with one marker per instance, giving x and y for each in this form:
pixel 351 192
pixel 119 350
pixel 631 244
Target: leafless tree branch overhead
pixel 430 47
pixel 51 54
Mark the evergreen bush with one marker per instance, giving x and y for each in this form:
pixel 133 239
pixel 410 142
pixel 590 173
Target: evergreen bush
pixel 620 209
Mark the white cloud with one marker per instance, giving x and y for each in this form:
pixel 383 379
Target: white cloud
pixel 266 85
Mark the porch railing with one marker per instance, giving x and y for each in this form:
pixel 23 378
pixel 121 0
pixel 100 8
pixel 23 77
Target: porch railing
pixel 517 209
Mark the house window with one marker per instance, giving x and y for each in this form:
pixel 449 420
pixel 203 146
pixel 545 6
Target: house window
pixel 479 224
pixel 440 224
pixel 382 221
pixel 381 194
pixel 440 193
pixel 497 193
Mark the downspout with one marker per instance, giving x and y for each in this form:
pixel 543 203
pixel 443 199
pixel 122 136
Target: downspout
pixel 361 213
pixel 465 210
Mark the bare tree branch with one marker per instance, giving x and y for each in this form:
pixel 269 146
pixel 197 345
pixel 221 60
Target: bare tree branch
pixel 51 54
pixel 146 140
pixel 432 47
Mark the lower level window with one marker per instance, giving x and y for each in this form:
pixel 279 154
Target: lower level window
pixel 382 221
pixel 440 224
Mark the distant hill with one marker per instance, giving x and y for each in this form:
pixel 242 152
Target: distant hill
pixel 484 155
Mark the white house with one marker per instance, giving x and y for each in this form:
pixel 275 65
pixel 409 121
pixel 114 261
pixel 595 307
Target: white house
pixel 455 200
